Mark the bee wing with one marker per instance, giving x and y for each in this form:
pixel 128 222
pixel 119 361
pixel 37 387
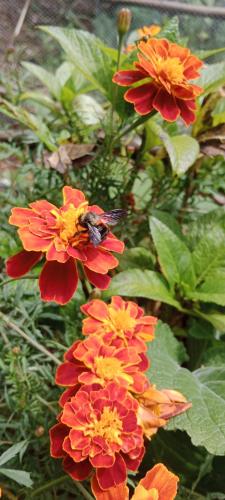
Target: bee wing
pixel 94 235
pixel 113 216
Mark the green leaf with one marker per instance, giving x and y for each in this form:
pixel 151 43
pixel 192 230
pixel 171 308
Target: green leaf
pixel 83 49
pixel 40 98
pixel 205 388
pixel 218 112
pixel 13 451
pixel 88 109
pixel 47 78
pixel 138 283
pixel 216 319
pixel 21 477
pixel 212 77
pixel 183 150
pixel 204 54
pixel 212 289
pixel 170 30
pixel 174 255
pixel 30 120
pixel 138 257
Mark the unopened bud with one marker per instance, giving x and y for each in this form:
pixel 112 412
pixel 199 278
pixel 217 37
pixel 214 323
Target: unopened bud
pixel 16 350
pixel 124 21
pixel 39 431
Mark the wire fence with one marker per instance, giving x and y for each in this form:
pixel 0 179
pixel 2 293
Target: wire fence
pixel 20 18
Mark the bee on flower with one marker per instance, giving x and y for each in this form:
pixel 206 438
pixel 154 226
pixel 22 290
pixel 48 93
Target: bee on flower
pixel 65 236
pixel 163 78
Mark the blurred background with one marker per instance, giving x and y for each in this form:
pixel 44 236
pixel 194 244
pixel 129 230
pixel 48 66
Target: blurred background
pixel 203 25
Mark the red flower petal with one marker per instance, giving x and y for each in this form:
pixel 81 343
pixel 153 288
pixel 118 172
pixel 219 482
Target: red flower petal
pixel 101 281
pixel 78 471
pixel 66 395
pixel 73 196
pixel 32 242
pixel 58 282
pixel 127 77
pixel 166 105
pixel 42 206
pixel 96 308
pixel 57 435
pixel 186 111
pixel 21 263
pixel 21 216
pixel 113 244
pixel 53 254
pixel 142 97
pixel 99 261
pixel 67 374
pixel 109 477
pixel 120 492
pixel 102 460
pixel 164 481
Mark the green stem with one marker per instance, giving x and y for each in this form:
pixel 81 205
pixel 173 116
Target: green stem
pixel 3 283
pixel 31 341
pixel 140 121
pixel 56 482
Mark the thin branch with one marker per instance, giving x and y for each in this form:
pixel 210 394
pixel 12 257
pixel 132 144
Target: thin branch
pixel 30 340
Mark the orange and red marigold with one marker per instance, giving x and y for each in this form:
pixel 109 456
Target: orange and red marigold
pixel 120 323
pixel 98 429
pixel 91 361
pixel 158 484
pixel 166 70
pixel 56 234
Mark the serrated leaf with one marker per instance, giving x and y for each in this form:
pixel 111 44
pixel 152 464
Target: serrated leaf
pixel 88 109
pixel 12 452
pixel 21 477
pixel 205 388
pixel 84 50
pixel 183 150
pixel 138 283
pixel 174 255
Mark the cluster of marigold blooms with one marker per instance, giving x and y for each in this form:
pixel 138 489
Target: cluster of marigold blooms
pixel 109 406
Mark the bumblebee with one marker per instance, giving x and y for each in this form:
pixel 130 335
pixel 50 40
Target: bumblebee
pixel 97 225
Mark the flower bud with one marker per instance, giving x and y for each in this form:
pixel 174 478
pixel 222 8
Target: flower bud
pixel 39 431
pixel 124 21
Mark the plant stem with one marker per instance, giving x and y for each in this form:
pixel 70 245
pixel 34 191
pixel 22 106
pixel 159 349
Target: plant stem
pixel 139 121
pixel 3 283
pixel 56 482
pixel 31 341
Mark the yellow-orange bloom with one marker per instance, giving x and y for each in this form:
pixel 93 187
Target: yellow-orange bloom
pixel 165 69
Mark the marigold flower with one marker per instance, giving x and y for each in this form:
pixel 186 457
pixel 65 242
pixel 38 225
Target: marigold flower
pixel 92 361
pixel 98 429
pixel 120 323
pixel 166 69
pixel 151 30
pixel 56 233
pixel 158 484
pixel 158 406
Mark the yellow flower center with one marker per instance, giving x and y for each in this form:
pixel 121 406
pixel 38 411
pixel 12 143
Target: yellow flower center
pixel 141 493
pixel 119 322
pixel 109 426
pixel 67 222
pixel 107 368
pixel 170 69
